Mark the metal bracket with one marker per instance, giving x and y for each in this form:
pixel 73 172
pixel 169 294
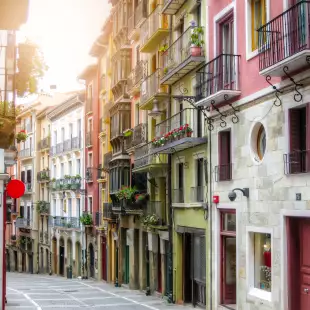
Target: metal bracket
pixel 298 95
pixel 278 101
pixel 235 118
pixel 223 122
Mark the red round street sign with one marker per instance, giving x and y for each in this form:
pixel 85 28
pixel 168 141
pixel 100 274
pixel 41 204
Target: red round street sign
pixel 15 188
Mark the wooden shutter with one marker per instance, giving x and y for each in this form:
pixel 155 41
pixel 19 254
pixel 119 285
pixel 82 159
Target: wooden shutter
pixel 22 176
pixel 224 156
pixel 294 158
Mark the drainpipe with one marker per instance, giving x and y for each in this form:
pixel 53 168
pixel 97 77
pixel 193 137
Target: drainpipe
pixel 210 217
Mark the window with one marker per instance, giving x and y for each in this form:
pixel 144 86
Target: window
pixel 179 191
pixel 69 167
pixel 69 207
pixel 261 142
pixel 200 180
pixel 228 263
pixel 223 171
pixel 137 121
pixel 90 159
pixel 22 176
pixel 70 130
pixel 78 207
pixel 90 204
pixel 78 166
pixel 29 179
pixel 62 170
pixel 258 14
pixel 262 261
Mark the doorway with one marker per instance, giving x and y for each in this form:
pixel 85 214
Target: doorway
pixel 54 249
pixel 47 269
pixel 159 270
pixel 126 274
pixel 92 261
pixel 15 261
pixel 104 257
pixel 298 264
pixel 23 262
pixel 30 263
pixel 61 257
pixel 187 268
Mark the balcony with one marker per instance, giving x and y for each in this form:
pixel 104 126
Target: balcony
pixel 136 19
pixel 120 120
pixel 25 153
pixel 284 41
pixel 23 223
pixel 88 139
pixel 137 137
pixel 136 76
pixel 179 132
pixel 101 174
pixel 218 80
pixel 154 29
pixel 223 172
pixel 89 175
pixel 106 160
pixel 65 222
pixel 107 212
pixel 157 208
pixel 44 143
pixel 151 89
pixel 28 188
pixel 171 7
pixel 145 160
pixel 69 183
pixel 180 58
pixel 59 148
pixel 43 207
pixel 43 176
pixel 178 195
pixel 297 162
pixel 197 194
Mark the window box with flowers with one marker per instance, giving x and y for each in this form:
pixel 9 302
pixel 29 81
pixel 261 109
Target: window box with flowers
pixel 21 136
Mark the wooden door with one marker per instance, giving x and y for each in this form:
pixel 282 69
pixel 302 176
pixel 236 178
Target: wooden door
pixel 304 231
pixel 62 260
pixel 104 258
pixel 126 278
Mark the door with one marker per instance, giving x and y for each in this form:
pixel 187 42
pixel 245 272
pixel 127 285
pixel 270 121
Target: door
pixel 61 260
pixel 30 262
pixel 304 235
pixel 104 258
pixel 159 278
pixel 24 262
pixel 92 261
pixel 55 255
pixel 15 261
pixel 187 268
pixel 126 276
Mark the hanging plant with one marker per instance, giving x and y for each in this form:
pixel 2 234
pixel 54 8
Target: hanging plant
pixel 86 219
pixel 21 136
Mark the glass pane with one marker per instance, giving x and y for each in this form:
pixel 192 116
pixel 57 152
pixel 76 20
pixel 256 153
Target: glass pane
pixel 262 261
pixel 229 221
pixel 230 261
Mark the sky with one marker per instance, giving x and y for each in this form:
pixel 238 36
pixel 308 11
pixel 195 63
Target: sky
pixel 65 31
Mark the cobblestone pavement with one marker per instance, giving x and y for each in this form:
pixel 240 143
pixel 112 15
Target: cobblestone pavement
pixel 26 291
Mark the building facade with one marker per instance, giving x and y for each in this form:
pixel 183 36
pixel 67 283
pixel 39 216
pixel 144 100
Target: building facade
pixel 67 187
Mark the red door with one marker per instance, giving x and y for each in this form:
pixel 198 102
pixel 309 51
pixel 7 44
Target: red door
pixel 304 264
pixel 104 258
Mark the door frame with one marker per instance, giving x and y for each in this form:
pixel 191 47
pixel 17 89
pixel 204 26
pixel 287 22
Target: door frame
pixel 284 251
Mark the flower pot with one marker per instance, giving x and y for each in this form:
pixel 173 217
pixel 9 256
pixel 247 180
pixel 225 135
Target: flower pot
pixel 189 134
pixel 196 51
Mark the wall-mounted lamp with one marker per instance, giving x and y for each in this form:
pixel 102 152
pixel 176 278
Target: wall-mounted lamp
pixel 232 195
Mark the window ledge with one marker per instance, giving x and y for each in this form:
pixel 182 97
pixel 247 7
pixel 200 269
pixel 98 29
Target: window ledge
pixel 251 55
pixel 262 296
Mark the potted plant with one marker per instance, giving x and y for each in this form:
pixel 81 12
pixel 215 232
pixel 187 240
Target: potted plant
pixel 166 70
pixel 163 49
pixel 196 41
pixel 86 219
pixel 21 136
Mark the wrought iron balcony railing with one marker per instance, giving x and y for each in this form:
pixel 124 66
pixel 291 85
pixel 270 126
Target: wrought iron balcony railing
pixel 73 183
pixel 159 209
pixel 223 172
pixel 220 75
pixel 297 162
pixel 23 222
pixel 197 194
pixel 136 76
pixel 60 148
pixel 43 176
pixel 65 222
pixel 155 27
pixel 25 153
pixel 138 136
pixel 284 37
pixel 43 207
pixel 108 213
pixel 178 195
pixel 44 143
pixel 88 139
pixel 181 58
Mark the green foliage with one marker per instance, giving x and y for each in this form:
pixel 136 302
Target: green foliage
pixel 163 48
pixel 196 37
pixel 42 206
pixel 126 193
pixel 150 220
pixel 86 219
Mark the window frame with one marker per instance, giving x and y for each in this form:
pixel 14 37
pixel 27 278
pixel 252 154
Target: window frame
pixel 254 293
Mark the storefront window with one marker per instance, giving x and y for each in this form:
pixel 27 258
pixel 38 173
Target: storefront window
pixel 262 261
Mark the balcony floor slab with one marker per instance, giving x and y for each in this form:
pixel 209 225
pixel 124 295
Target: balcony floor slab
pixel 172 7
pixel 152 43
pixel 218 97
pixel 182 69
pixel 148 104
pixel 179 145
pixel 150 168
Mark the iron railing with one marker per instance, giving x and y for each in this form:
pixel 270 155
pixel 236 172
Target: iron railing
pixel 53 150
pixel 153 23
pixel 76 142
pixel 150 86
pixel 178 195
pixel 88 139
pixel 44 143
pixel 25 153
pixel 158 208
pixel 44 207
pixel 43 176
pixel 59 148
pixel 284 36
pixel 180 50
pixel 66 222
pixel 223 172
pixel 138 136
pixel 197 193
pixel 137 75
pixel 107 211
pixel 221 73
pixel 23 222
pixel 73 183
pixel 297 162
pixel 142 155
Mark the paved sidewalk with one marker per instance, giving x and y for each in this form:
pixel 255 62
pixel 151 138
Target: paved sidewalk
pixel 26 291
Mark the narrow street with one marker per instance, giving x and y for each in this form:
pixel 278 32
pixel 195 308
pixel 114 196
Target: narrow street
pixel 43 292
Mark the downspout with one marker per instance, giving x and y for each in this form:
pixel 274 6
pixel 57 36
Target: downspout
pixel 210 217
pixel 169 191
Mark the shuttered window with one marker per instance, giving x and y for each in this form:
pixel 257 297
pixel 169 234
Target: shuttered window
pixel 28 176
pixel 224 168
pixel 22 176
